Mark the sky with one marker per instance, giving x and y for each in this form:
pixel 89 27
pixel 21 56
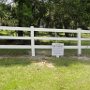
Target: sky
pixel 8 1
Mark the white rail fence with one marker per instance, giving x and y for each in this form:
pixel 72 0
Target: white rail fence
pixel 32 30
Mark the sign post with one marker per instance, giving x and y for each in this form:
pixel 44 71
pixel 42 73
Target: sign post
pixel 57 49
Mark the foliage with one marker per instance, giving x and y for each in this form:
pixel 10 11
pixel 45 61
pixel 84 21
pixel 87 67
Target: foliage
pixel 49 13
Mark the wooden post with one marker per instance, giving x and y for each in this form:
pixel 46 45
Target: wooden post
pixel 32 41
pixel 79 42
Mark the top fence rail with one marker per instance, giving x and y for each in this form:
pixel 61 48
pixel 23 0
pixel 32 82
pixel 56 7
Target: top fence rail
pixel 43 29
pixel 15 28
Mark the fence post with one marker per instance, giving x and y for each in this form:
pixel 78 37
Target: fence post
pixel 79 42
pixel 32 41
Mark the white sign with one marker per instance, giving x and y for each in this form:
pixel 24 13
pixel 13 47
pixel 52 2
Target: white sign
pixel 57 49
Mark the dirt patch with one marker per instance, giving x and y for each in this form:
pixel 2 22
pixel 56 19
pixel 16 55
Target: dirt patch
pixel 45 63
pixel 82 58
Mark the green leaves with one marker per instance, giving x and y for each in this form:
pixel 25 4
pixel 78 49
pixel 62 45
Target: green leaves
pixel 52 13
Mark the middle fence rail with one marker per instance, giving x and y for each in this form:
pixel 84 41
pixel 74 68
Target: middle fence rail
pixel 32 37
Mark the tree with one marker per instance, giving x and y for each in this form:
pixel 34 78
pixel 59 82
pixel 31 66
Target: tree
pixel 22 12
pixel 5 13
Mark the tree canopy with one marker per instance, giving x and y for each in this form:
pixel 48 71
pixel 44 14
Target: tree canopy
pixel 47 13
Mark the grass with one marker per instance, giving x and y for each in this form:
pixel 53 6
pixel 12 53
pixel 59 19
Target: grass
pixel 27 52
pixel 45 73
pixel 65 73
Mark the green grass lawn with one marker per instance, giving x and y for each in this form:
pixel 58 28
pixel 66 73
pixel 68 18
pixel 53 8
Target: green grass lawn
pixel 45 73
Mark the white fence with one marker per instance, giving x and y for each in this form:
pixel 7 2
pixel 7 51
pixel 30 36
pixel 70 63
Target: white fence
pixel 79 39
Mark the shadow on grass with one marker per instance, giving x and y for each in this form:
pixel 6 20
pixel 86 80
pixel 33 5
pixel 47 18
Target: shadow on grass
pixel 6 62
pixel 42 56
pixel 68 61
pixel 58 62
pixel 14 52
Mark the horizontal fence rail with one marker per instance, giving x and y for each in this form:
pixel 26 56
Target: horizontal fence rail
pixel 14 28
pixel 15 47
pixel 15 38
pixel 32 37
pixel 54 38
